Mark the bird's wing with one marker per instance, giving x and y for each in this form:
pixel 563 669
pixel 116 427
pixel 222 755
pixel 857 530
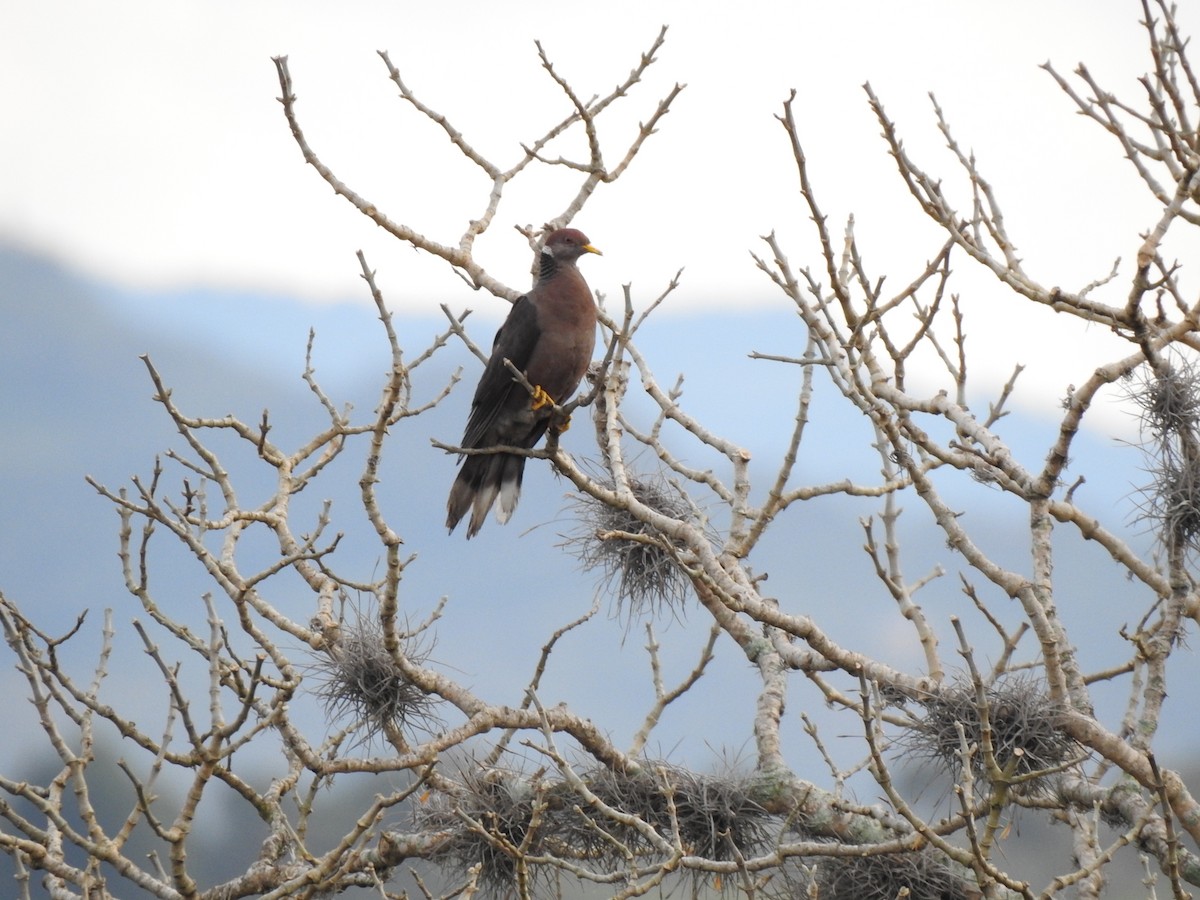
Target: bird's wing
pixel 515 341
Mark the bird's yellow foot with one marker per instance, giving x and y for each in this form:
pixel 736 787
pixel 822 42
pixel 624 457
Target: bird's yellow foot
pixel 541 398
pixel 562 425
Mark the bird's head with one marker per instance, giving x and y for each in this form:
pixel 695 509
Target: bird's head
pixel 567 245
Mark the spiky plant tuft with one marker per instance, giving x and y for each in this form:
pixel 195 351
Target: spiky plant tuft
pixel 1169 399
pixel 489 823
pixel 920 875
pixel 718 817
pixel 1168 396
pixel 714 816
pixel 499 817
pixel 359 680
pixel 638 563
pixel 1026 729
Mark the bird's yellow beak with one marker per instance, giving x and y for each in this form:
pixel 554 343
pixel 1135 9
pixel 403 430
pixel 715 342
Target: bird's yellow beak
pixel 588 248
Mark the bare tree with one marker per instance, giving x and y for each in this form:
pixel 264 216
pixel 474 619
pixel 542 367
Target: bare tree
pixel 572 808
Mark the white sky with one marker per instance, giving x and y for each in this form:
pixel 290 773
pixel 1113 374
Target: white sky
pixel 143 142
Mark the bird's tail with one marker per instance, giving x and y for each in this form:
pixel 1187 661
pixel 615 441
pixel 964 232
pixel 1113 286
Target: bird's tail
pixel 481 480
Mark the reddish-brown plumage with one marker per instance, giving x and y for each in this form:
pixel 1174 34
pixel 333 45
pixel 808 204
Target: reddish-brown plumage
pixel 549 336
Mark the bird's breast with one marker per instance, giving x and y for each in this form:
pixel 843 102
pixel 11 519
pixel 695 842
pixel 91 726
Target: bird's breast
pixel 567 338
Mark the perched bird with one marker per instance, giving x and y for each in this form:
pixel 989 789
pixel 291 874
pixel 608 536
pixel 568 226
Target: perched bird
pixel 549 336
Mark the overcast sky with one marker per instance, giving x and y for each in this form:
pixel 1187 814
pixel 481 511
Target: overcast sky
pixel 143 141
